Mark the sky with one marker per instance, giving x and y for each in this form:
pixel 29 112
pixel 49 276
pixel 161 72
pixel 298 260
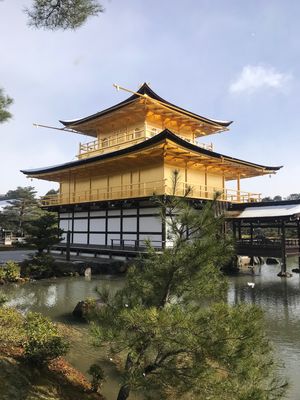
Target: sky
pixel 229 60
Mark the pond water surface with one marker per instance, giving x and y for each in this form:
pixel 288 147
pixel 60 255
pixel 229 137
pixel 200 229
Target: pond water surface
pixel 280 299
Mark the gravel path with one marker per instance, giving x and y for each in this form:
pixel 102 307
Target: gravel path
pixel 15 255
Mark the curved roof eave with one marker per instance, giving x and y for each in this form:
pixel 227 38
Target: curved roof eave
pixel 144 89
pixel 166 134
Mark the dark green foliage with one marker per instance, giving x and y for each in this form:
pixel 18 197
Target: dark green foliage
pixel 43 341
pixel 38 336
pixel 52 192
pixel 277 198
pixel 5 102
pixel 62 14
pixel 23 208
pixel 219 352
pixel 39 266
pixel 171 327
pixel 294 196
pixel 3 299
pixel 97 375
pixel 43 232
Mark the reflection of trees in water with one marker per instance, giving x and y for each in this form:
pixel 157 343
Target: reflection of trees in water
pixel 56 297
pixel 32 297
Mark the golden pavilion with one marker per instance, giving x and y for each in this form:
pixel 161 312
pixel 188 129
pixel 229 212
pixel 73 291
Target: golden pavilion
pixel 105 196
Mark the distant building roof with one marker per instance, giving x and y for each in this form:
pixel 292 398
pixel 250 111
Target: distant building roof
pixel 259 211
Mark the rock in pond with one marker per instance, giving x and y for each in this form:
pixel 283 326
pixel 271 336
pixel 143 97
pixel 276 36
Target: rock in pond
pixel 296 270
pixel 272 261
pixel 84 307
pixel 284 274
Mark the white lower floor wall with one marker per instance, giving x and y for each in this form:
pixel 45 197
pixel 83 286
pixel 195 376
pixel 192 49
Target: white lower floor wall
pixel 115 226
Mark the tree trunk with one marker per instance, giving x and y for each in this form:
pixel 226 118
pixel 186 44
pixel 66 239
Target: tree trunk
pixel 124 392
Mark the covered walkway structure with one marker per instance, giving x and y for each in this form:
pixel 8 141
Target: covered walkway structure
pixel 267 230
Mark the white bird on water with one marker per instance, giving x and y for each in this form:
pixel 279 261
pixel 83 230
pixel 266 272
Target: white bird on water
pixel 251 284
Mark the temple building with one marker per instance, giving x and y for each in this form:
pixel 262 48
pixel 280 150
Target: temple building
pixel 105 197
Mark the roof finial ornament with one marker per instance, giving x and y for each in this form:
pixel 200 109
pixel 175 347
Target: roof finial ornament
pixel 142 84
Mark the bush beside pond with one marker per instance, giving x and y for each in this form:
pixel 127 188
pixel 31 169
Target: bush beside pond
pixel 10 272
pixel 30 360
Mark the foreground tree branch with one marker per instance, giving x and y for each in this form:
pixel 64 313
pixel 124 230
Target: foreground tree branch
pixel 62 14
pixel 5 102
pixel 171 324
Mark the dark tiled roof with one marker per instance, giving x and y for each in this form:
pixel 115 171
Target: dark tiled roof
pixel 144 89
pixel 166 134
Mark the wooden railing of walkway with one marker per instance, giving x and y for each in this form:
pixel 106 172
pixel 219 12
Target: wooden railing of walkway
pixel 267 247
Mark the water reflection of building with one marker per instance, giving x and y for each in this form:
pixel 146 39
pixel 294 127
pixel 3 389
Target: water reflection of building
pixel 105 195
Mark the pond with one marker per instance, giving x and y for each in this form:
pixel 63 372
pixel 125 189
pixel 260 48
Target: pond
pixel 280 299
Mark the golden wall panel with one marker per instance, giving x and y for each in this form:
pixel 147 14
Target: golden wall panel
pixel 215 180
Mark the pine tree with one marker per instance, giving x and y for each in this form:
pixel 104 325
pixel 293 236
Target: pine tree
pixel 44 232
pixel 171 326
pixel 23 207
pixel 62 14
pixel 5 102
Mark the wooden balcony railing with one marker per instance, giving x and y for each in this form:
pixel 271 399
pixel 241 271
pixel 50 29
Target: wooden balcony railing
pixel 147 189
pixel 268 242
pixel 209 192
pixel 125 139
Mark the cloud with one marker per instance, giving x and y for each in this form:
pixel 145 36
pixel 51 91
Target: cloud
pixel 256 77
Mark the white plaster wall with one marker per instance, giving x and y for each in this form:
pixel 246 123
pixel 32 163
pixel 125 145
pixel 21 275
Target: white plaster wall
pixel 113 236
pixel 132 211
pixel 63 224
pixel 80 238
pixel 130 224
pixel 150 224
pixel 101 213
pixel 149 210
pixel 114 212
pixel 97 224
pixel 155 239
pixel 65 215
pixel 81 214
pixel 80 225
pixel 130 236
pixel 114 224
pixel 97 238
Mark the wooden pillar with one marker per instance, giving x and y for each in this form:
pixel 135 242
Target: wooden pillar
pixel 223 188
pixel 234 229
pixel 238 187
pixel 68 245
pixel 240 230
pixel 283 249
pixel 298 235
pixel 164 226
pixel 205 182
pixel 251 233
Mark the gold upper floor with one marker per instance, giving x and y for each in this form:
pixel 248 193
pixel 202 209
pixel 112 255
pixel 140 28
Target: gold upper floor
pixel 138 118
pixel 127 137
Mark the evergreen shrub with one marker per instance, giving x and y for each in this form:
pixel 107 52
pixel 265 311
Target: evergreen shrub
pixel 43 342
